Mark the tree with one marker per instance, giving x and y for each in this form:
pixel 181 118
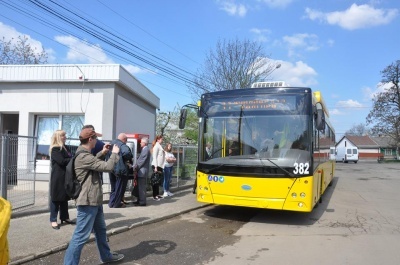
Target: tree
pixel 20 52
pixel 358 130
pixel 385 113
pixel 233 65
pixel 163 119
pixel 167 125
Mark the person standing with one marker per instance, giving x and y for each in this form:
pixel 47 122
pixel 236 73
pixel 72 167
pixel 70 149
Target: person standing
pixel 90 215
pixel 5 213
pixel 59 158
pixel 142 168
pixel 99 143
pixel 168 167
pixel 120 172
pixel 97 148
pixel 208 154
pixel 157 164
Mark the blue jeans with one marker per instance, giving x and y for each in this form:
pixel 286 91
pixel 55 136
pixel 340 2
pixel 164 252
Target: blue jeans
pixel 88 218
pixel 167 177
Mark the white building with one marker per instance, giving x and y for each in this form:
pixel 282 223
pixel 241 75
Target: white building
pixel 36 100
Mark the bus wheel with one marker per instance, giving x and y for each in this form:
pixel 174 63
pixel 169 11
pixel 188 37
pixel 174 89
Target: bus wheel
pixel 320 199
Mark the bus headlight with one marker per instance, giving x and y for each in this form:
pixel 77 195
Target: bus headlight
pixel 301 204
pixel 294 195
pixel 302 195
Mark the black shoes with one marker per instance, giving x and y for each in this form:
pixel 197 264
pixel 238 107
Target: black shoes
pixel 139 204
pixel 68 221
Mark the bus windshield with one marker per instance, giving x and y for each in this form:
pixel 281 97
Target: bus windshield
pixel 251 133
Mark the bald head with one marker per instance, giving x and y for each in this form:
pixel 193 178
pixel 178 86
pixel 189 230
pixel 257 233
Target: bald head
pixel 122 137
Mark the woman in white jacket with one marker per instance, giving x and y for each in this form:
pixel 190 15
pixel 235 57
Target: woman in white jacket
pixel 157 164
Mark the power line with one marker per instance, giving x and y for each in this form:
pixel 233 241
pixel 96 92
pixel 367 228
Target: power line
pixel 129 21
pixel 163 67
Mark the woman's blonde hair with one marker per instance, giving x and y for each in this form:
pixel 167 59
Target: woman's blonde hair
pixel 56 140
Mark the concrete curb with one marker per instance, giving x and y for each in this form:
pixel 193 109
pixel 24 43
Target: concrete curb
pixel 110 232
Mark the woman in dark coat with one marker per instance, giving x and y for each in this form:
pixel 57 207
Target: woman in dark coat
pixel 59 156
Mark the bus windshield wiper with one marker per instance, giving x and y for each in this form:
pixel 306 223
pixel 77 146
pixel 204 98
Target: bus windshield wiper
pixel 214 168
pixel 281 168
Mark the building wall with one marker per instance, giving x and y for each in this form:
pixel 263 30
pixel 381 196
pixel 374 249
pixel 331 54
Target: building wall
pixel 109 97
pixel 133 115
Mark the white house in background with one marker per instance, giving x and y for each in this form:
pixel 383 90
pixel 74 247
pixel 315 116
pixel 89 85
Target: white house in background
pixel 36 100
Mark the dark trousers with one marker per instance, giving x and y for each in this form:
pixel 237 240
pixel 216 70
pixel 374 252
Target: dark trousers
pixel 113 180
pixel 55 207
pixel 156 190
pixel 142 190
pixel 118 194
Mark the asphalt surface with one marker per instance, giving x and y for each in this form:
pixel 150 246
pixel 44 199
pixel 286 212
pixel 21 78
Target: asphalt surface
pixel 30 235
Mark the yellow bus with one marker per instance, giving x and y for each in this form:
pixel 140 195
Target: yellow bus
pixel 263 147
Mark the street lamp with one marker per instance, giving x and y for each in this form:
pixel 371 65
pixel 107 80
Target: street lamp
pixel 276 67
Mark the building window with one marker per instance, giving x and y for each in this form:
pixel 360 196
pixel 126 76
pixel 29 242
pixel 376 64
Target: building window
pixel 46 125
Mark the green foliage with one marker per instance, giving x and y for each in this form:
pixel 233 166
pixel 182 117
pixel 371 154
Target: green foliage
pixel 167 124
pixel 191 131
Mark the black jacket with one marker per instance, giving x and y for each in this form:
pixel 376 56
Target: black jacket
pixel 59 160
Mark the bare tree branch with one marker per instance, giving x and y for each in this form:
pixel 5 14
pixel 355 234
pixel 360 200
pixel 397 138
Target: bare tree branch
pixel 233 65
pixel 20 52
pixel 385 113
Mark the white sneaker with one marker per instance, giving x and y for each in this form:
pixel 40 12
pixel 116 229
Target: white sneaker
pixel 170 193
pixel 156 199
pixel 165 194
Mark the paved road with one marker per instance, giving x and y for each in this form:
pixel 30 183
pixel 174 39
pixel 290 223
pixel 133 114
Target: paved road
pixel 358 222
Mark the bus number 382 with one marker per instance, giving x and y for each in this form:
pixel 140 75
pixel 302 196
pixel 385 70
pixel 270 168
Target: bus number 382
pixel 301 168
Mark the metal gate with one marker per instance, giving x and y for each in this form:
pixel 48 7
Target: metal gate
pixel 17 170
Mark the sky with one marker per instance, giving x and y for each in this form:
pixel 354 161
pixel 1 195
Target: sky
pixel 338 47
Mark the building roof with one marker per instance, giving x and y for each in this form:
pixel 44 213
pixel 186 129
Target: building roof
pixel 360 141
pixel 85 73
pixel 384 141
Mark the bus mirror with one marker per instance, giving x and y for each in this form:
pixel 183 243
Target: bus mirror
pixel 182 118
pixel 320 120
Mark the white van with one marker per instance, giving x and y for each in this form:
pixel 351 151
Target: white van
pixel 346 154
pixel 332 153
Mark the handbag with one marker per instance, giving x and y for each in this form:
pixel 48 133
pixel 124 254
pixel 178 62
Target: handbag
pixel 131 173
pixel 156 178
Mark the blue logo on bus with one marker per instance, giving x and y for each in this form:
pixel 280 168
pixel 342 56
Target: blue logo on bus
pixel 221 179
pixel 246 187
pixel 210 178
pixel 216 178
